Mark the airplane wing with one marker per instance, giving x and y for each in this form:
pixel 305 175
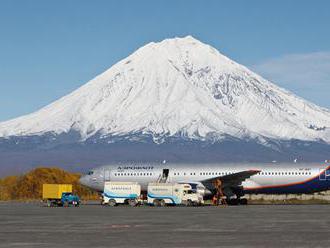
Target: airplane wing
pixel 231 180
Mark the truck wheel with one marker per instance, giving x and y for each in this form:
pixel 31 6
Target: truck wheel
pixel 243 201
pixel 156 203
pixel 189 203
pixel 112 202
pixel 132 202
pixel 162 203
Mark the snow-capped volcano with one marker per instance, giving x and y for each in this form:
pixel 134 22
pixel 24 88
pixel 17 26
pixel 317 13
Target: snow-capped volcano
pixel 177 87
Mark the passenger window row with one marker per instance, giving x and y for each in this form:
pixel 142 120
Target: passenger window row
pixel 217 173
pixel 285 173
pixel 134 174
pixel 203 173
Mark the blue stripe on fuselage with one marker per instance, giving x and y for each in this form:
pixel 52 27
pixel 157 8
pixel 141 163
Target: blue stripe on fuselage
pixel 311 186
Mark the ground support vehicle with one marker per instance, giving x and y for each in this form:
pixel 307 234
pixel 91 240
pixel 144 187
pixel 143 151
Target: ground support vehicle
pixel 115 193
pixel 59 195
pixel 162 194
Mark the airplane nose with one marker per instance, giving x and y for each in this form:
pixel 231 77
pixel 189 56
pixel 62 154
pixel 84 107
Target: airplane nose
pixel 83 180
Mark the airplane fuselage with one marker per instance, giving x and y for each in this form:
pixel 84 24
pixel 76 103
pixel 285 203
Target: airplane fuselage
pixel 271 179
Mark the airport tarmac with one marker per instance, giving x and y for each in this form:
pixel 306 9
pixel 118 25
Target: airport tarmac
pixel 29 225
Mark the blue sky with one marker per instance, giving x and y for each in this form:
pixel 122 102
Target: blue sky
pixel 49 48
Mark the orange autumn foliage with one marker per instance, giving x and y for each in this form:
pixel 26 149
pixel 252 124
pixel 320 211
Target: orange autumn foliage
pixel 29 186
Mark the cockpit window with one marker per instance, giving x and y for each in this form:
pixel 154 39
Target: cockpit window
pixel 90 173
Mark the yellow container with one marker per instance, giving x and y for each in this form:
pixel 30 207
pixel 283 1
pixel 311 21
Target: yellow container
pixel 54 191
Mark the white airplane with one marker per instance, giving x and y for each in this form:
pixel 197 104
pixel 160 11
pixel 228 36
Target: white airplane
pixel 236 179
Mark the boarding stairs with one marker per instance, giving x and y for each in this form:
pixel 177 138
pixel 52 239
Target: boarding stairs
pixel 163 177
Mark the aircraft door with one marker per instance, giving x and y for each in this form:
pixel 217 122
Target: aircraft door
pixel 164 176
pixel 166 173
pixel 106 175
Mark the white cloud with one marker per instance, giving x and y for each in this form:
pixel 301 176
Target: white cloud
pixel 307 75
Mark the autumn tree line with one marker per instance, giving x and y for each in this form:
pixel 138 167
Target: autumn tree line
pixel 29 185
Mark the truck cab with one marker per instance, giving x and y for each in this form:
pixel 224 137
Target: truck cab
pixel 68 199
pixel 191 197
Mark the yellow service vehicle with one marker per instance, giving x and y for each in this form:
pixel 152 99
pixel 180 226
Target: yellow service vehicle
pixel 59 195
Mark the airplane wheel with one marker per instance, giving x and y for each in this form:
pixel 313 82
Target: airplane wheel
pixel 112 203
pixel 233 201
pixel 243 201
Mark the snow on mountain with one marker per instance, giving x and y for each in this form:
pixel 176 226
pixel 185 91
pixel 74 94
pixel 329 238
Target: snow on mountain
pixel 178 87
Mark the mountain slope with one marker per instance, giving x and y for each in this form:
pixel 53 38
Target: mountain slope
pixel 179 88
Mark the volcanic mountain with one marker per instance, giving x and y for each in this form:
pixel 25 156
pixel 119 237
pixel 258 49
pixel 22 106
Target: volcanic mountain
pixel 175 93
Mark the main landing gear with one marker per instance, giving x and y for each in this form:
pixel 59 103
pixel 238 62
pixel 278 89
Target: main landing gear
pixel 225 199
pixel 237 201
